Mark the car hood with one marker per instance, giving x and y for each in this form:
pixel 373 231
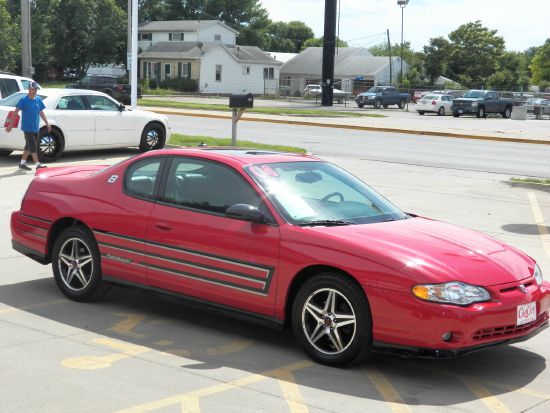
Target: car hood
pixel 467 100
pixel 433 251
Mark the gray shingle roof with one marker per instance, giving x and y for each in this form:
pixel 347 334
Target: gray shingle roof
pixel 349 62
pixel 180 26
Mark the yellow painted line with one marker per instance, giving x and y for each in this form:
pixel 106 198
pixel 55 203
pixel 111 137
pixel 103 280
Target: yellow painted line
pixel 232 347
pixel 10 309
pixel 190 404
pixel 539 220
pixel 387 391
pixel 101 362
pixel 125 327
pixel 182 399
pixel 163 343
pixel 291 392
pixel 484 395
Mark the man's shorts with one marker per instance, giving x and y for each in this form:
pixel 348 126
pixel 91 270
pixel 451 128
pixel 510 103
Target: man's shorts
pixel 31 139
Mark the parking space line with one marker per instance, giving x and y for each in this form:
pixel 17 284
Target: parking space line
pixel 10 309
pixel 539 220
pixel 182 399
pixel 387 391
pixel 231 347
pixel 291 392
pixel 484 395
pixel 125 327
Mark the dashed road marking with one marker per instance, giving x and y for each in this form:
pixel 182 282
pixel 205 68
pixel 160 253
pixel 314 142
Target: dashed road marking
pixel 387 391
pixel 539 220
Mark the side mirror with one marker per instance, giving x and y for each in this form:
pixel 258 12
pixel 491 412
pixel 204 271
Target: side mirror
pixel 121 107
pixel 244 212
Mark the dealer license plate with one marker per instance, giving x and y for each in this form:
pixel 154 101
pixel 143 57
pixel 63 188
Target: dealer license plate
pixel 460 110
pixel 526 313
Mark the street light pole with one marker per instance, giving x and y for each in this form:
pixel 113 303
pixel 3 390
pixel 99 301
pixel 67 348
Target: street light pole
pixel 402 4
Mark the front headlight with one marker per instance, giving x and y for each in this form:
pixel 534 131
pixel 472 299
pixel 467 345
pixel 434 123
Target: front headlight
pixel 538 275
pixel 451 293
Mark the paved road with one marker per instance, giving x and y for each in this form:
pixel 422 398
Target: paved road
pixel 131 353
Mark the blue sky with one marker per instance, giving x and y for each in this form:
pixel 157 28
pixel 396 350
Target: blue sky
pixel 363 23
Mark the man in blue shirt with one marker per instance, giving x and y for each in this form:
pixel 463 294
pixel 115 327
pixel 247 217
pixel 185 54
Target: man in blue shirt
pixel 32 109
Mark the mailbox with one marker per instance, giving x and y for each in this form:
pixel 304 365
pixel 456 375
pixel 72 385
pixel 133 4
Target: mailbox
pixel 241 100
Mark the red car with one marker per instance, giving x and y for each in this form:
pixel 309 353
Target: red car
pixel 284 239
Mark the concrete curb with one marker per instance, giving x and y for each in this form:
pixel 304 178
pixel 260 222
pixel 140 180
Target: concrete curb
pixel 358 127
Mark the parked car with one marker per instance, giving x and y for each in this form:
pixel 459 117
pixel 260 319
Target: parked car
pixel 284 239
pixel 316 92
pixel 440 104
pixel 85 120
pixel 379 96
pixel 10 84
pixel 481 103
pixel 538 107
pixel 114 86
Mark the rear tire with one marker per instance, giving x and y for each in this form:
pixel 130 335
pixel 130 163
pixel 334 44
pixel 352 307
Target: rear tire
pixel 507 112
pixel 5 152
pixel 331 320
pixel 441 111
pixel 76 265
pixel 361 105
pixel 420 112
pixel 50 145
pixel 456 115
pixel 402 104
pixel 152 137
pixel 377 104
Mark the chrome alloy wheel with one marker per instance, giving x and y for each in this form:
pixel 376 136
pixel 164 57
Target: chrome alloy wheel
pixel 153 137
pixel 75 264
pixel 328 321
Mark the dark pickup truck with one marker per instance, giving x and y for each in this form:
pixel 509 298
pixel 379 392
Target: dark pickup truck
pixel 111 85
pixel 480 103
pixel 379 96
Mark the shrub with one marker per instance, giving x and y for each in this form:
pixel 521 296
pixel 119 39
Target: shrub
pixel 183 85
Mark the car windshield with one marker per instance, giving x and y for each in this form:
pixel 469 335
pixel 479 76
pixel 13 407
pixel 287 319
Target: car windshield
pixel 320 193
pixel 374 90
pixel 14 99
pixel 475 94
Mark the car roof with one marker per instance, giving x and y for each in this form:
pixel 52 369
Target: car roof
pixel 68 91
pixel 236 156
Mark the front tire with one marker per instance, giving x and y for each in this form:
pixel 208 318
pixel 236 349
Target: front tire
pixel 377 104
pixel 331 320
pixel 480 112
pixel 152 137
pixel 76 265
pixel 50 145
pixel 361 105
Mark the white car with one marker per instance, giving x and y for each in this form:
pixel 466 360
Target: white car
pixel 85 120
pixel 436 103
pixel 315 91
pixel 10 84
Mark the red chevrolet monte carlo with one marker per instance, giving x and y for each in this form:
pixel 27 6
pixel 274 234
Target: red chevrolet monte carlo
pixel 285 239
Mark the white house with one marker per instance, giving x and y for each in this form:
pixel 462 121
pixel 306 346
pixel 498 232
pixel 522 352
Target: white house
pixel 205 51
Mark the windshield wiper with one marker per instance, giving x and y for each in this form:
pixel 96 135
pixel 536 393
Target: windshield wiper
pixel 324 222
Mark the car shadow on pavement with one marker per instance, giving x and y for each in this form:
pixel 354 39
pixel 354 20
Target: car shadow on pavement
pixel 197 339
pixel 524 229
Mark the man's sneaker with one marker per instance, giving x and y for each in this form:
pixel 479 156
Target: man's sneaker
pixel 40 165
pixel 24 166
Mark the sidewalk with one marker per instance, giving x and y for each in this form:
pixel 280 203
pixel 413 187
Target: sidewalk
pixel 398 121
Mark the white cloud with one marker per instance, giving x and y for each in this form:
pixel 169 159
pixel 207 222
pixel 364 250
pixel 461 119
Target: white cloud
pixel 522 24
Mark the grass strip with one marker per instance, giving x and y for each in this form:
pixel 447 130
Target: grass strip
pixel 189 140
pixel 532 180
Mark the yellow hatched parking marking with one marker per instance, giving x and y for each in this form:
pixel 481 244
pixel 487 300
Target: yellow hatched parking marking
pixel 125 327
pixel 387 391
pixel 187 400
pixel 291 392
pixel 539 220
pixel 484 395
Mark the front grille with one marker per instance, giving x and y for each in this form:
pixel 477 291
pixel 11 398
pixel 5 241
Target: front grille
pixel 496 332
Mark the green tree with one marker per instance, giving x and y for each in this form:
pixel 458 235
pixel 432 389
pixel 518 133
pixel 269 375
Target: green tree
pixel 10 51
pixel 540 65
pixel 318 42
pixel 436 58
pixel 511 72
pixel 475 52
pixel 288 37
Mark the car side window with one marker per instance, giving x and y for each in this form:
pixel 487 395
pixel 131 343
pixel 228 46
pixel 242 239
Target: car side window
pixel 206 186
pixel 70 103
pixel 141 178
pixel 102 103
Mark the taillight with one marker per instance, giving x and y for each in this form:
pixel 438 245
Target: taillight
pixel 434 102
pixel 9 118
pixel 119 87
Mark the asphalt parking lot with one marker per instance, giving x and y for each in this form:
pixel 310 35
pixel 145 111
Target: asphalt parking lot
pixel 135 353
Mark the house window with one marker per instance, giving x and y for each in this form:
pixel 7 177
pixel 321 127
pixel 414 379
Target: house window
pixel 184 70
pixel 246 70
pixel 145 36
pixel 175 37
pixel 167 69
pixel 217 37
pixel 269 73
pixel 218 73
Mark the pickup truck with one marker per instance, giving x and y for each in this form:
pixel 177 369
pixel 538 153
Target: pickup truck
pixel 382 96
pixel 111 85
pixel 480 103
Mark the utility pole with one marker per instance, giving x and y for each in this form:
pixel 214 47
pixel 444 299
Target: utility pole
pixel 329 43
pixel 26 57
pixel 389 49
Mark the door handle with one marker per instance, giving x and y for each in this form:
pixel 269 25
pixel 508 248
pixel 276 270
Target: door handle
pixel 163 226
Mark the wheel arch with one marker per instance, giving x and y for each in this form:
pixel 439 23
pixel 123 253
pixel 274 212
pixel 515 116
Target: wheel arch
pixel 57 228
pixel 305 274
